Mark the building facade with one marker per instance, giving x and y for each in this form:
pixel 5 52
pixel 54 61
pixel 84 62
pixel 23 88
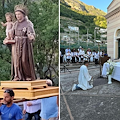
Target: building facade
pixel 113 29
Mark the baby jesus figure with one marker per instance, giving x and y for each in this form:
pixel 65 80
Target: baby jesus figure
pixel 9 24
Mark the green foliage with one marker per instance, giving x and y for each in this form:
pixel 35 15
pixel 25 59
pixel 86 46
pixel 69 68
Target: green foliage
pixel 46 45
pixel 87 20
pixel 67 12
pixel 62 30
pixel 94 17
pixel 5 60
pixel 100 21
pixel 76 13
pixel 83 45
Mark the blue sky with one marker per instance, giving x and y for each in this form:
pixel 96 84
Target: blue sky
pixel 101 4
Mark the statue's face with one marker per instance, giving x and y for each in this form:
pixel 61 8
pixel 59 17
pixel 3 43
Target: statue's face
pixel 19 15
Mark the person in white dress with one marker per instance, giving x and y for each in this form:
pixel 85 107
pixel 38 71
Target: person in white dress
pixel 93 53
pixel 73 55
pixel 101 53
pixel 68 56
pixel 89 54
pixel 81 54
pixel 80 48
pixel 66 50
pixel 9 23
pixel 65 55
pixel 96 57
pixel 83 79
pixel 77 56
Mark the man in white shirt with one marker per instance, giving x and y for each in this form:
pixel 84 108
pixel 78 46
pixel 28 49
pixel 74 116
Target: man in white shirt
pixel 89 53
pixel 83 79
pixel 79 49
pixel 82 52
pixel 67 50
pixel 77 56
pixel 96 57
pixel 93 53
pixel 73 55
pixel 101 53
pixel 68 56
pixel 32 108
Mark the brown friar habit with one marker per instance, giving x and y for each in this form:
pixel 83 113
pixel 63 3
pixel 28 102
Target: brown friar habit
pixel 22 51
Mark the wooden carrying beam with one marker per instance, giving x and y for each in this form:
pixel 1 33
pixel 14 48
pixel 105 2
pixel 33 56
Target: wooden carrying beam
pixel 29 89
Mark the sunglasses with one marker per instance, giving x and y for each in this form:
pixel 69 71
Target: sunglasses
pixel 7 91
pixel 10 92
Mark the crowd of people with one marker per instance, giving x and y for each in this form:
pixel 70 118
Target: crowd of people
pixel 80 55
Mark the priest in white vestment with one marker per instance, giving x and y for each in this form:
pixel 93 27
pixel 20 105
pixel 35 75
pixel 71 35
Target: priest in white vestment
pixel 83 79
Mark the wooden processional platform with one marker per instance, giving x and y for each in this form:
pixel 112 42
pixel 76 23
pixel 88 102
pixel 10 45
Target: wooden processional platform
pixel 29 90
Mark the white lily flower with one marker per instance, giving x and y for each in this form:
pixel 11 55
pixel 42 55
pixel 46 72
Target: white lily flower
pixel 107 73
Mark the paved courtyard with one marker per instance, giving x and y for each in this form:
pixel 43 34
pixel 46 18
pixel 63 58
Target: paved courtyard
pixel 100 103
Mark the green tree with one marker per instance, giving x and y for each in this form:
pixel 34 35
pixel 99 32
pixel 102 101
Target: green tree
pixel 100 21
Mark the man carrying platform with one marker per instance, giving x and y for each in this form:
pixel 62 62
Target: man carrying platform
pixel 8 109
pixel 32 108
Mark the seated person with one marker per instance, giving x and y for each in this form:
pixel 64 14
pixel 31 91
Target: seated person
pixel 93 53
pixel 77 56
pixel 68 56
pixel 67 50
pixel 101 53
pixel 96 58
pixel 81 54
pixel 89 54
pixel 83 79
pixel 73 55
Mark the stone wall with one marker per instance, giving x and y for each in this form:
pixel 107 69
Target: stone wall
pixel 113 25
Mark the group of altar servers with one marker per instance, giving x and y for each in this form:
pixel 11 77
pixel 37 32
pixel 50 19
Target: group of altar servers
pixel 80 55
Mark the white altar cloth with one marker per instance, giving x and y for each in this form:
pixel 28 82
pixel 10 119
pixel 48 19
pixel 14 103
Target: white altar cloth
pixel 116 71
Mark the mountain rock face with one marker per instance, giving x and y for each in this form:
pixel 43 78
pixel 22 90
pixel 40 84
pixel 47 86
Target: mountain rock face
pixel 80 6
